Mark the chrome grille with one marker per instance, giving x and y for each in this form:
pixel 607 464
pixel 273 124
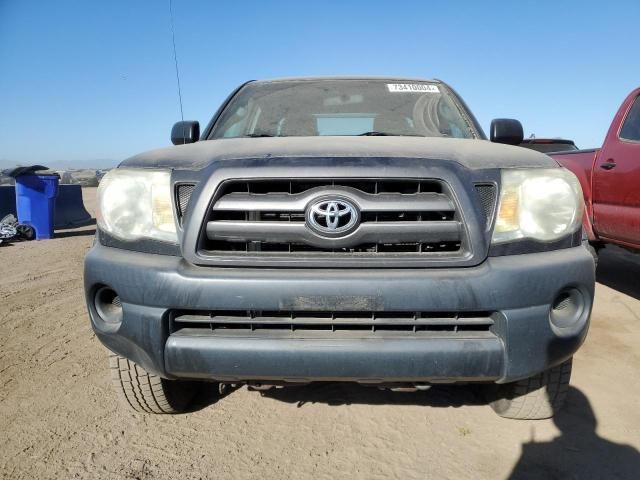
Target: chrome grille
pixel 398 217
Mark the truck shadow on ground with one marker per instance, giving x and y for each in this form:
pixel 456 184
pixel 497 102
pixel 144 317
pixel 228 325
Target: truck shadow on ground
pixel 578 451
pixel 620 270
pixel 343 393
pixel 337 394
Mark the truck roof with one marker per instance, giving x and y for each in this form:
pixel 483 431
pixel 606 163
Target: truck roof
pixel 346 77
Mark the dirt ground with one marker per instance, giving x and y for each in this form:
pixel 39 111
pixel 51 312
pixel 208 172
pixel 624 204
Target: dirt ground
pixel 60 419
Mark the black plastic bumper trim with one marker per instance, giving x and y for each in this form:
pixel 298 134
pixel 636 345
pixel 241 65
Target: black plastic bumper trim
pixel 371 361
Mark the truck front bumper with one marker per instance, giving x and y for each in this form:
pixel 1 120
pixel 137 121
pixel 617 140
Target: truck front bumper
pixel 519 291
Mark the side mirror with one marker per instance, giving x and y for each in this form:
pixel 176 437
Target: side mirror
pixel 506 130
pixel 185 132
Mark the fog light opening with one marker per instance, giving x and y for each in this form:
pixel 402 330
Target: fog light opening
pixel 567 308
pixel 108 305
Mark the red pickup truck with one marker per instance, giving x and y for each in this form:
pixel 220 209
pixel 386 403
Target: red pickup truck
pixel 610 179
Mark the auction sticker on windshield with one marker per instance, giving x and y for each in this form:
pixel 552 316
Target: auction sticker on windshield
pixel 413 87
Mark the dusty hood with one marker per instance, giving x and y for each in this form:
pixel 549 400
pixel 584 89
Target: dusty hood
pixel 473 154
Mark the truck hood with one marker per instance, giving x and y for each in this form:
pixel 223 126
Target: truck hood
pixel 472 154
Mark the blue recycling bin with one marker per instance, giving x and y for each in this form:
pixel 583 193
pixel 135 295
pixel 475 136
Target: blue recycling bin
pixel 35 202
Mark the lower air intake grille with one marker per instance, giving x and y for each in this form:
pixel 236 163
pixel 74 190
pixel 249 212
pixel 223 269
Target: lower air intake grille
pixel 407 322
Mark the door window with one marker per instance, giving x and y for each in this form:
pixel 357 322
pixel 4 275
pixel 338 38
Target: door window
pixel 631 127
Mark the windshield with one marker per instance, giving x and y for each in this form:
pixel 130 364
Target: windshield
pixel 308 108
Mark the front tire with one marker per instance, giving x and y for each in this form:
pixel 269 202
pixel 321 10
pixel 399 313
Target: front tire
pixel 147 393
pixel 533 398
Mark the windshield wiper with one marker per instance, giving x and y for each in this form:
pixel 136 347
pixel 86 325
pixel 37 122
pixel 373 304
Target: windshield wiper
pixel 374 134
pixel 258 135
pixel 384 134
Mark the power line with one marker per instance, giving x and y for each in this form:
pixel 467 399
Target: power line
pixel 175 58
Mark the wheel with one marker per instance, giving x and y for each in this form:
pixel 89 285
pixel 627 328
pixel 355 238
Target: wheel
pixel 147 393
pixel 533 398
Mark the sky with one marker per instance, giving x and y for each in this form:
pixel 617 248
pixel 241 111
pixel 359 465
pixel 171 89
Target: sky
pixel 86 83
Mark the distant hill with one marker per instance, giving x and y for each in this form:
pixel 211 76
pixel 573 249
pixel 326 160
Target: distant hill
pixel 88 177
pixel 96 164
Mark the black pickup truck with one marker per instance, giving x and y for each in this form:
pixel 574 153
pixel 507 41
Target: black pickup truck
pixel 341 229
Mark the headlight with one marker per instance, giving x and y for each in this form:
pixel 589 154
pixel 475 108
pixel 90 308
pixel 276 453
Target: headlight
pixel 135 204
pixel 540 204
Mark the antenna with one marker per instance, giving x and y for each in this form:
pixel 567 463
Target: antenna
pixel 175 59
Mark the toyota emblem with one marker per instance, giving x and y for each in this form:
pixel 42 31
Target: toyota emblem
pixel 332 216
